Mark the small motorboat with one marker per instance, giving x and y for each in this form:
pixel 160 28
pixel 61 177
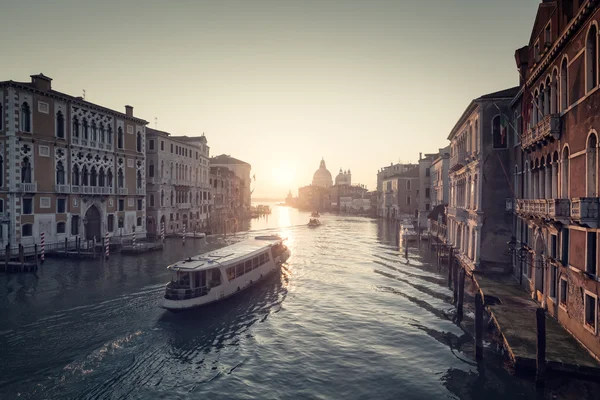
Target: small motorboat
pixel 408 233
pixel 314 223
pixel 315 214
pixel 192 235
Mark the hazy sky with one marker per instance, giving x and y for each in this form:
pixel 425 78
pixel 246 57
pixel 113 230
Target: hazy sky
pixel 278 83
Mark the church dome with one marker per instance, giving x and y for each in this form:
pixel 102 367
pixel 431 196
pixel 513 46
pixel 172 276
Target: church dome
pixel 322 176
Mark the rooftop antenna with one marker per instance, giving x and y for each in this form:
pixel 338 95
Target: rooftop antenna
pixel 84 94
pixel 155 122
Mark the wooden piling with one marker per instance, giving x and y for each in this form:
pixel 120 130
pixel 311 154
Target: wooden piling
pixel 540 373
pixel 461 295
pixel 455 273
pixel 478 326
pixel 35 250
pixel 450 261
pixel 6 257
pixel 22 256
pixel 66 245
pixel 78 245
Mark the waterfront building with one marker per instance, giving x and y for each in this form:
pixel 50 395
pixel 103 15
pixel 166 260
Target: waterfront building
pixel 439 179
pixel 68 167
pixel 558 195
pixel 382 174
pixel 228 199
pixel 314 198
pixel 342 197
pixel 400 199
pixel 477 213
pixel 424 192
pixel 177 175
pixel 242 170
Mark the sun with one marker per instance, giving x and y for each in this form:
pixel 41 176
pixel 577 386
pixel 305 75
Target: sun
pixel 283 175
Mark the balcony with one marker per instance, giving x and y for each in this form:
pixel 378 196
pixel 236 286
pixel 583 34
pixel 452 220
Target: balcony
pixel 551 209
pixel 184 206
pixel 62 188
pixel 458 160
pixel 584 210
pixel 458 214
pixel 559 210
pixel 27 187
pixel 75 140
pixel 547 130
pixel 122 191
pixel 140 191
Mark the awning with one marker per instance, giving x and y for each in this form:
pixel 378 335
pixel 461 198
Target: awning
pixel 434 215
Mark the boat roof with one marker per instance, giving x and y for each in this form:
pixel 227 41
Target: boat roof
pixel 227 255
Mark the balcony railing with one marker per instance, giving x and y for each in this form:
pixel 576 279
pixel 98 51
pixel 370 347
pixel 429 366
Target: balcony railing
pixel 584 210
pixel 184 206
pixel 140 191
pixel 458 159
pixel 556 209
pixel 559 209
pixel 547 130
pixel 27 187
pixel 122 191
pixel 62 188
pixel 75 140
pixel 459 214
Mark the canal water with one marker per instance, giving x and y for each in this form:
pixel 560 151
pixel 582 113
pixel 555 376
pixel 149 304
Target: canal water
pixel 348 317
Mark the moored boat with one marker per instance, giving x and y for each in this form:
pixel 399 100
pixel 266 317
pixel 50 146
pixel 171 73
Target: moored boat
pixel 216 275
pixel 315 214
pixel 194 235
pixel 314 222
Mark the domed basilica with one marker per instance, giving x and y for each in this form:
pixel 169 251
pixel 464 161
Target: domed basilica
pixel 322 176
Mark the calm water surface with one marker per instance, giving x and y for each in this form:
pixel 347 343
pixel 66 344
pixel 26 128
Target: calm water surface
pixel 347 318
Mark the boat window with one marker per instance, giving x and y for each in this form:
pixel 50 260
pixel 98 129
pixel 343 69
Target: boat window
pixel 255 263
pixel 231 273
pixel 248 266
pixel 239 270
pixel 181 280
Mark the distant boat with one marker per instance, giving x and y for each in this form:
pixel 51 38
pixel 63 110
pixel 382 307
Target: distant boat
pixel 194 235
pixel 314 223
pixel 315 214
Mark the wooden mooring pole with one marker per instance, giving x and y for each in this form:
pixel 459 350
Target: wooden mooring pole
pixel 540 372
pixel 461 295
pixel 478 326
pixel 6 257
pixel 450 262
pixel 35 249
pixel 455 273
pixel 22 256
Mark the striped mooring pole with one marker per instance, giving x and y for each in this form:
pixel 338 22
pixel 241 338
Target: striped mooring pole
pixel 106 247
pixel 162 233
pixel 183 237
pixel 133 240
pixel 43 238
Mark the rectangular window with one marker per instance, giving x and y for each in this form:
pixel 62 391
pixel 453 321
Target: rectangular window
pixel 565 246
pixel 61 227
pixel 138 221
pixel 27 206
pixel 553 275
pixel 162 145
pixel 408 200
pixel 427 193
pixel 121 205
pixel 139 204
pixel 130 202
pixel 120 222
pixel 590 246
pixel 564 289
pixel 27 230
pixel 61 206
pixel 427 207
pixel 111 222
pixel 151 144
pixel 75 225
pixel 427 172
pixel 590 311
pixel 408 184
pixel 171 148
pixel 553 242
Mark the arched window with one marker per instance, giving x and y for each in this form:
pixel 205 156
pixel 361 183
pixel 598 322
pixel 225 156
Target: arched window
pixel 151 200
pixel 555 175
pixel 84 176
pixel 541 103
pixel 591 59
pixel 101 178
pixel 564 174
pixel 535 110
pixel 554 101
pixel 60 125
pixel 1 171
pixel 93 177
pixel 499 132
pixel 94 132
pixel 75 178
pixel 102 133
pixel 1 116
pixel 162 198
pixel 60 173
pixel 171 176
pixel 26 170
pixel 120 138
pixel 109 135
pixel 85 129
pixel 109 179
pixel 516 183
pixel 162 169
pixel 75 127
pixel 592 164
pixel 120 179
pixel 172 198
pixel 548 96
pixel 139 142
pixel 564 85
pixel 139 179
pixel 25 117
pixel 151 169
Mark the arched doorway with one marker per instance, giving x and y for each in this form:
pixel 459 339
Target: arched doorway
pixel 93 223
pixel 150 226
pixel 539 264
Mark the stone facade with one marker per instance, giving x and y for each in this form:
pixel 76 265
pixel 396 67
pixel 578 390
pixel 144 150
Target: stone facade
pixel 556 167
pixel 242 170
pixel 400 194
pixel 70 168
pixel 178 190
pixel 382 175
pixel 439 178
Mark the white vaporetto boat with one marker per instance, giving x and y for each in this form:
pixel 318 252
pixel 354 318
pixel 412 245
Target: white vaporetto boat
pixel 214 276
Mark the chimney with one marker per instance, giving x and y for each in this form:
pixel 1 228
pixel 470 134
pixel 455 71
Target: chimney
pixel 420 156
pixel 41 82
pixel 129 111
